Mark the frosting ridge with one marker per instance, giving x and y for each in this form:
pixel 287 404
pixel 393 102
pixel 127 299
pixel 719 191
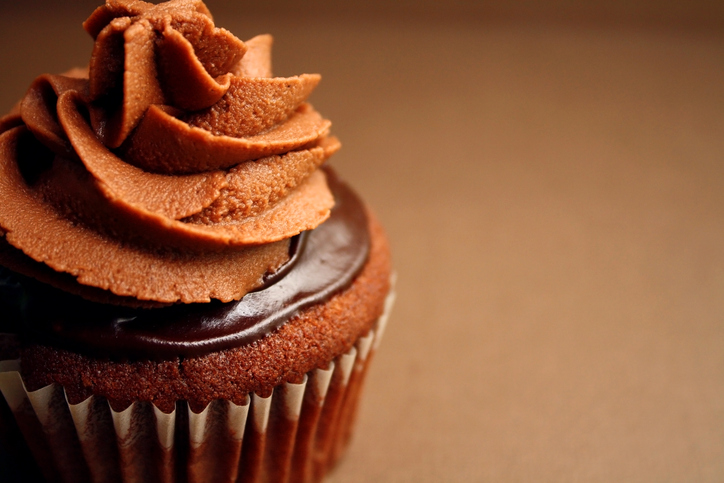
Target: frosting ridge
pixel 175 168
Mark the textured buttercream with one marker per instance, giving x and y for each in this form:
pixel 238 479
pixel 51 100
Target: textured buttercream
pixel 175 168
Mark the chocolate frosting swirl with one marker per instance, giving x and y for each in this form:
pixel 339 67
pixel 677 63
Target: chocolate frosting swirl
pixel 174 169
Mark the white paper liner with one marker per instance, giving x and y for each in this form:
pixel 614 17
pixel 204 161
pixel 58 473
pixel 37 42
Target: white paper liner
pixel 294 435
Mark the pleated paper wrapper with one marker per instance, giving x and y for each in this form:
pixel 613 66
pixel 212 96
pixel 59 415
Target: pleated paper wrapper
pixel 295 435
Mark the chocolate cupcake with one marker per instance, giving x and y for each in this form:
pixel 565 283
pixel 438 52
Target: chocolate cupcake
pixel 193 294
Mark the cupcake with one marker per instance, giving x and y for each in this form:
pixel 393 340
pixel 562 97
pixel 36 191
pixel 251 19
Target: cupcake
pixel 193 293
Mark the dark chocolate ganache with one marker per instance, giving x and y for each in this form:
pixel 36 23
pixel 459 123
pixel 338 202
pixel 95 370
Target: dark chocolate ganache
pixel 324 262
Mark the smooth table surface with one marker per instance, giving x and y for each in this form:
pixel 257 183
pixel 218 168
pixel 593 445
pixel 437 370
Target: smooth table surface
pixel 554 194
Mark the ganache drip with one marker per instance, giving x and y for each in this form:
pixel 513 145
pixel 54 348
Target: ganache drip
pixel 325 261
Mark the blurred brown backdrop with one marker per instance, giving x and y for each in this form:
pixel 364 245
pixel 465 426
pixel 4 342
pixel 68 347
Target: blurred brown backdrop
pixel 551 177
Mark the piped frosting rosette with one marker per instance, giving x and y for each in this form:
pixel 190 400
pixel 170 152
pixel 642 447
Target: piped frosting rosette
pixel 176 168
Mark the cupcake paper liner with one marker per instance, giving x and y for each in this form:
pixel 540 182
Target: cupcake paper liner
pixel 295 435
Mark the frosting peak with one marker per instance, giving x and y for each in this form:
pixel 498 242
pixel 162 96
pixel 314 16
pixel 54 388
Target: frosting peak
pixel 174 168
pixel 169 54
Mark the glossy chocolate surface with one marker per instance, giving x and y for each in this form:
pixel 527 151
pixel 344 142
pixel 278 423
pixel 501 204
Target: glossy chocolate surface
pixel 325 261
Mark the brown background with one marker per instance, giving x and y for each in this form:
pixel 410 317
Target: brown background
pixel 552 179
